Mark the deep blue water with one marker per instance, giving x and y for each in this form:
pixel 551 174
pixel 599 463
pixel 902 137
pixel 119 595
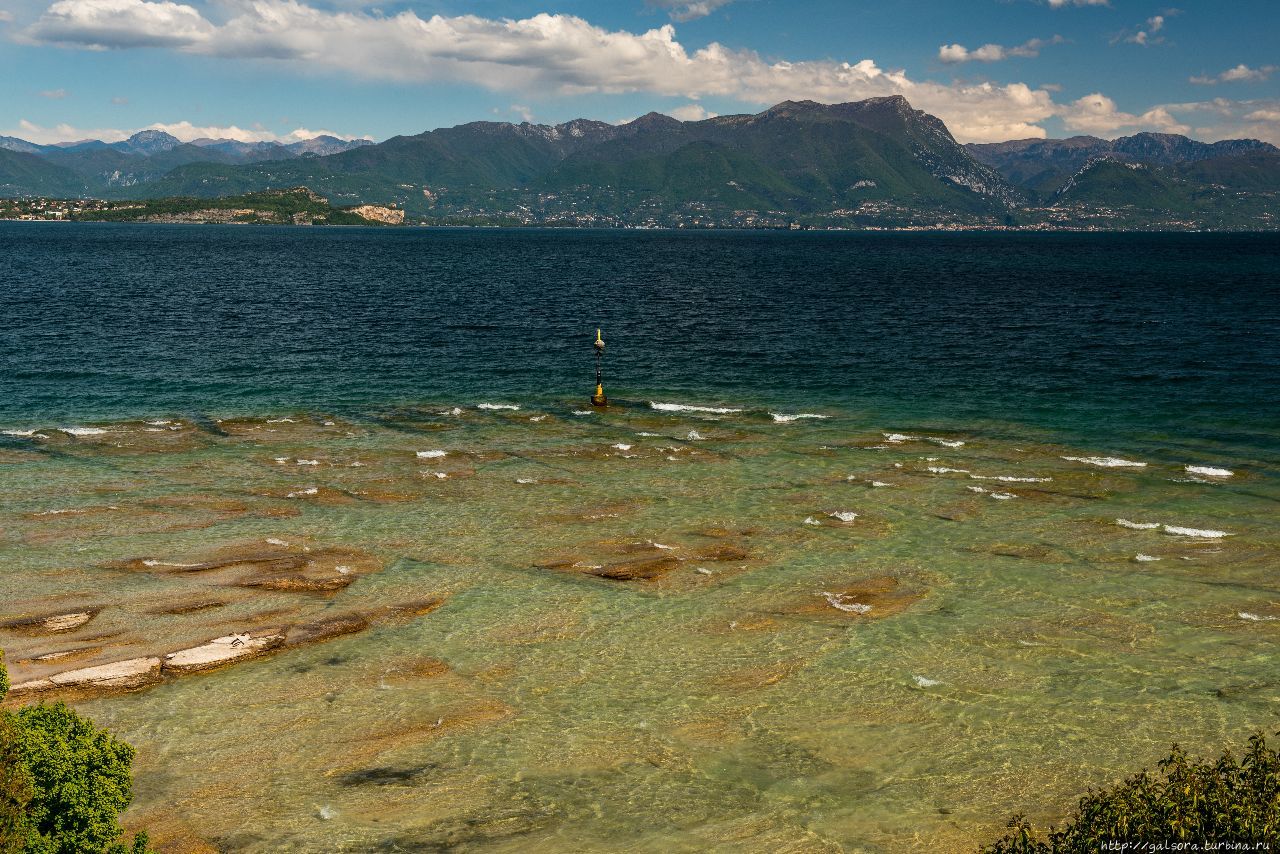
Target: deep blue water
pixel 1126 334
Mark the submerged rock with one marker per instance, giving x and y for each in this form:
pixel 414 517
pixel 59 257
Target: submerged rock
pixel 868 599
pixel 51 624
pixel 647 569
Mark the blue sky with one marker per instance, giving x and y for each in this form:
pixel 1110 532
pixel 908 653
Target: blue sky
pixel 992 69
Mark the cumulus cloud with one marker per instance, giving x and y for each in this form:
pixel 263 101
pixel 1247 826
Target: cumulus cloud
pixel 1225 118
pixel 103 24
pixel 1149 33
pixel 955 53
pixel 184 130
pixel 1098 114
pixel 692 113
pixel 54 94
pixel 543 54
pixel 688 10
pixel 1240 74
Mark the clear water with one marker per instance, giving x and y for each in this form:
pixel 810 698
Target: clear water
pixel 1021 653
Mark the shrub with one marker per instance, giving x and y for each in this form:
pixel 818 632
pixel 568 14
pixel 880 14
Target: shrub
pixel 1192 802
pixel 63 782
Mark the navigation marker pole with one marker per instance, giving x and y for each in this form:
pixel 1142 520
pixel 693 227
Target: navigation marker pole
pixel 598 399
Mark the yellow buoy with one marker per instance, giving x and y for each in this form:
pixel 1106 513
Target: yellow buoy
pixel 598 399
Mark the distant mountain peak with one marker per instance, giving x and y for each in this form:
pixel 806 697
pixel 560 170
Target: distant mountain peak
pixel 654 120
pixel 152 141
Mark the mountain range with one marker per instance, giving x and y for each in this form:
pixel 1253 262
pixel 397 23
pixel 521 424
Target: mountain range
pixel 873 163
pixel 93 167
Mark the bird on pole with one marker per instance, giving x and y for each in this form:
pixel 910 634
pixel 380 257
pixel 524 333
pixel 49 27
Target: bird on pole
pixel 598 399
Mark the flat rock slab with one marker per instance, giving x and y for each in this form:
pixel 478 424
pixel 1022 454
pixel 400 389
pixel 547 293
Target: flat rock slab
pixel 51 624
pixel 219 651
pixel 131 673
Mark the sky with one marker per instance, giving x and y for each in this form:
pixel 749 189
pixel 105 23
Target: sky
pixel 287 69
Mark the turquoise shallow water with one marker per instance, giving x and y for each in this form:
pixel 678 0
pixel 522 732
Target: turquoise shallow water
pixel 884 629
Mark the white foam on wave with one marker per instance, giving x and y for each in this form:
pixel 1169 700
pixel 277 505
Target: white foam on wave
pixel 276 541
pixel 1107 462
pixel 310 490
pixel 537 418
pixel 688 407
pixel 525 480
pixel 843 602
pixel 82 431
pixel 926 682
pixel 787 419
pixel 1141 558
pixel 25 434
pixel 167 563
pixel 695 436
pixel 511 406
pixel 945 470
pixel 457 410
pixel 583 412
pixel 899 438
pixel 1209 471
pixel 622 446
pixel 439 475
pixel 1255 618
pixel 946 443
pixel 998 496
pixel 1175 530
pixel 1179 531
pixel 307 462
pixel 1007 478
pixel 281 421
pixel 431 455
pixel 809 520
pixel 843 515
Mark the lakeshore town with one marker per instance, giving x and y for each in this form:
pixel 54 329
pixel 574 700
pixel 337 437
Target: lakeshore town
pixel 560 211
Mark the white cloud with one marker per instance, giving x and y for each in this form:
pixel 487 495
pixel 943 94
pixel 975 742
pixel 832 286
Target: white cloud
pixel 525 114
pixel 692 113
pixel 688 10
pixel 54 94
pixel 1098 114
pixel 954 53
pixel 1148 36
pixel 1224 118
pixel 185 131
pixel 1240 74
pixel 105 24
pixel 539 55
pixel 5 16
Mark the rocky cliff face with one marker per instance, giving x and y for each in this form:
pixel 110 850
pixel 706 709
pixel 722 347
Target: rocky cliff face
pixel 378 213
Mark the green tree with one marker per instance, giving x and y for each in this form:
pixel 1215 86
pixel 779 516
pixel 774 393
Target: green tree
pixel 1194 802
pixel 15 781
pixel 63 782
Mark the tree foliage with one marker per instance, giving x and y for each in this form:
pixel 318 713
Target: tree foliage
pixel 1185 802
pixel 63 782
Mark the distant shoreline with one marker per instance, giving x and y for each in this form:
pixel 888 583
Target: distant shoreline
pixel 672 229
